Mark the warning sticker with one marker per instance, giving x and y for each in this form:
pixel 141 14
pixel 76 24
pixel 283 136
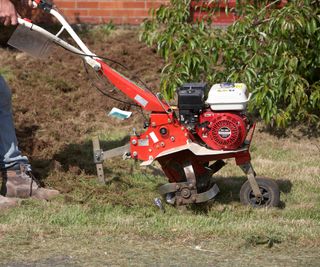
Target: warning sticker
pixel 154 137
pixel 143 102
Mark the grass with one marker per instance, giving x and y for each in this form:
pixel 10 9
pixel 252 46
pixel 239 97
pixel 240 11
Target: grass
pixel 6 73
pixel 93 215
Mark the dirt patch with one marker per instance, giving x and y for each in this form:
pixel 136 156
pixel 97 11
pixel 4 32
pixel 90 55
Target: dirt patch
pixel 54 101
pixel 132 252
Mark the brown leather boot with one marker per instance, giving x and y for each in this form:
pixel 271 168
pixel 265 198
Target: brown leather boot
pixel 21 184
pixel 6 202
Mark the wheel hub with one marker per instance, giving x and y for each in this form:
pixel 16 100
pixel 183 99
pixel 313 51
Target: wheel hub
pixel 185 192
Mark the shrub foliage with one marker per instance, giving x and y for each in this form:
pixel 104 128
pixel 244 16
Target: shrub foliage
pixel 275 51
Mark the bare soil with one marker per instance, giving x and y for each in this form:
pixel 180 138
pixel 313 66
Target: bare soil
pixel 55 103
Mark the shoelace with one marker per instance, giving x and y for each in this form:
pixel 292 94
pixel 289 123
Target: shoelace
pixel 30 174
pixel 24 169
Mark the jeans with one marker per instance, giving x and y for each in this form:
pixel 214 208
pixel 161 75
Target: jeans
pixel 10 155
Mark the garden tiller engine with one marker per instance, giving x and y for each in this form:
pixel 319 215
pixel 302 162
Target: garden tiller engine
pixel 190 141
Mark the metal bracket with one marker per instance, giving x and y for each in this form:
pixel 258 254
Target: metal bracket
pixel 116 152
pixel 97 157
pixel 169 188
pixel 215 167
pixel 251 175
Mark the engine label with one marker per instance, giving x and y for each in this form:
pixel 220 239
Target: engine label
pixel 224 132
pixel 143 142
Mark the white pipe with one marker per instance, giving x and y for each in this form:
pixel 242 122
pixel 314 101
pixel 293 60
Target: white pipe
pixel 72 33
pixel 61 30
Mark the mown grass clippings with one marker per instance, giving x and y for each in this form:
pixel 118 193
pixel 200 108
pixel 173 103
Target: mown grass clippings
pixel 268 241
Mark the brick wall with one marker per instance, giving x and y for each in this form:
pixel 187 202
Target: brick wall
pixel 103 11
pixel 220 17
pixel 134 11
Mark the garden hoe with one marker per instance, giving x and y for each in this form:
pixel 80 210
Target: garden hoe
pixel 190 141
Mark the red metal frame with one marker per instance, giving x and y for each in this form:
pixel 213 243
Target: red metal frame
pixel 164 131
pixel 151 143
pixel 144 98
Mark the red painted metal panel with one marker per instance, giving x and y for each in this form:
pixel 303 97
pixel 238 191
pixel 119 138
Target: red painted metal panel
pixel 144 98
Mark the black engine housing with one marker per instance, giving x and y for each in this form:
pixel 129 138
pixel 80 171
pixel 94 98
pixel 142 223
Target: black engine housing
pixel 191 102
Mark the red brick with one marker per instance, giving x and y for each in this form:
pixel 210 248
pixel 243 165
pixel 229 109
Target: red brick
pixel 88 4
pixel 222 4
pixel 125 11
pixel 119 12
pixel 109 19
pixel 65 4
pixel 123 20
pixel 91 20
pixel 155 4
pixel 133 21
pixel 219 19
pixel 122 4
pixel 75 12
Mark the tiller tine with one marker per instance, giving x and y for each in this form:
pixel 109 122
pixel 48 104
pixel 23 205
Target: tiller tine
pixel 186 192
pixel 99 156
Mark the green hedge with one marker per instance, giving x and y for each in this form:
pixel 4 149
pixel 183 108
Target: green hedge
pixel 275 51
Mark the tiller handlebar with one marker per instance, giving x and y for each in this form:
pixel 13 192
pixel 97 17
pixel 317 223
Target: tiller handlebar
pixel 143 97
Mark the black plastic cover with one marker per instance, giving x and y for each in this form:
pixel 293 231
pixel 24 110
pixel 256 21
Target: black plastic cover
pixel 191 96
pixel 191 101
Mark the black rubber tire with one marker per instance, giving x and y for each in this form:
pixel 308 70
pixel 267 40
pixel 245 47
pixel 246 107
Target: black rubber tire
pixel 270 192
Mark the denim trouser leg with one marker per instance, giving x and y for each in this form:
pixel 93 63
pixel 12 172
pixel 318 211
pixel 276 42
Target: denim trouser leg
pixel 9 152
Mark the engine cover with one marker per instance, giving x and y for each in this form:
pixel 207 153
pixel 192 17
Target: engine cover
pixel 222 130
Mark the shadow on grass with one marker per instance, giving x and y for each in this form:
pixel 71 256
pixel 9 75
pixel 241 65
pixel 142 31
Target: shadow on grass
pixel 81 155
pixel 77 158
pixel 229 192
pixel 297 130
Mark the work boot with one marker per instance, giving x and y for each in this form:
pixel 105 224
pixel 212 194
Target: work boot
pixel 20 183
pixel 6 202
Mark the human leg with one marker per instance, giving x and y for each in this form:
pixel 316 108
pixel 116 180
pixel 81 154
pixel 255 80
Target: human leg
pixel 10 155
pixel 15 169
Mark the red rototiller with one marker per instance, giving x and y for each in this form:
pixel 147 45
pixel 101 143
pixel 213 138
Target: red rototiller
pixel 190 141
